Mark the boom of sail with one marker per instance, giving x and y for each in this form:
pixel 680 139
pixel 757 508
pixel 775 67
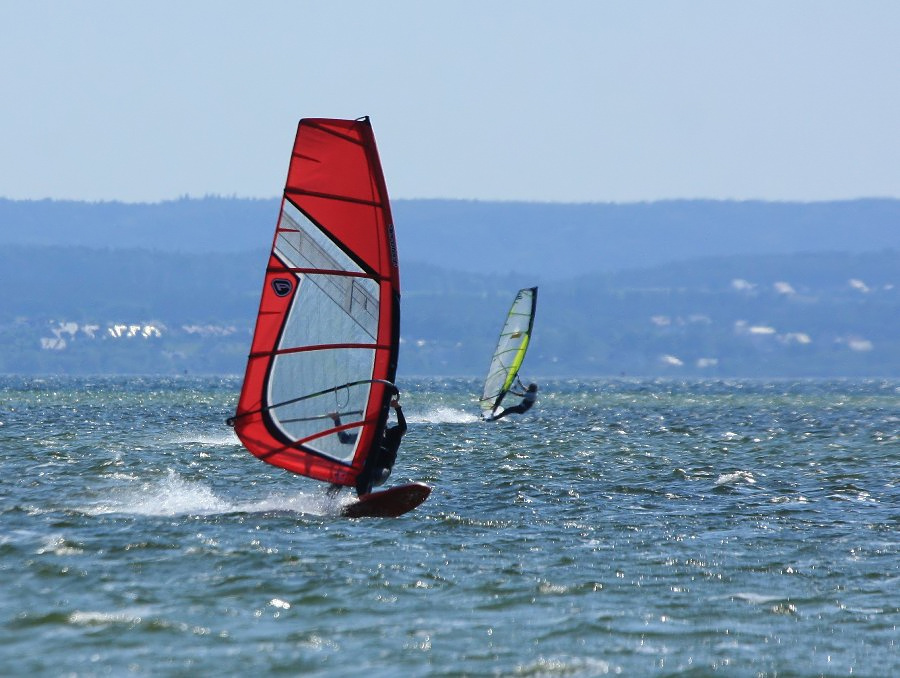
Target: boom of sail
pixel 323 359
pixel 510 352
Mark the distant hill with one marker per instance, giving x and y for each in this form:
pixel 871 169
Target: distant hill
pixel 85 310
pixel 679 288
pixel 553 241
pixel 539 241
pixel 812 315
pixel 188 226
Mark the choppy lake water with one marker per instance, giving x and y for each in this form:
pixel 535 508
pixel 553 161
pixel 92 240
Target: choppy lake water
pixel 640 528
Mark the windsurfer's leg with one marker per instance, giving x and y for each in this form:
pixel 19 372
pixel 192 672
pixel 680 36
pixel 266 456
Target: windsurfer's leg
pixel 515 409
pixel 363 484
pixel 382 473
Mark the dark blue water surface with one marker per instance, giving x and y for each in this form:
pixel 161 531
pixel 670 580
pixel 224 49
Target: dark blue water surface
pixel 640 528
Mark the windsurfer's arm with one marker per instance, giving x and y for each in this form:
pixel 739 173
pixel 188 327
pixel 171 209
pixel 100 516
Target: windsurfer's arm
pixel 401 420
pixel 519 389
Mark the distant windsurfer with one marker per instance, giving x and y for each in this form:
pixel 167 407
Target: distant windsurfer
pixel 382 460
pixel 529 396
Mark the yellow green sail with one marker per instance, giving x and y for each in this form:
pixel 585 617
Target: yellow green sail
pixel 510 351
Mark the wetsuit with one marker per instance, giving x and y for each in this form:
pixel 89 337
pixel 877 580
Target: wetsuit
pixel 379 468
pixel 530 396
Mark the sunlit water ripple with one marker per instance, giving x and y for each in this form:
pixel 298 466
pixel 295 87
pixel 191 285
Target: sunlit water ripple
pixel 645 528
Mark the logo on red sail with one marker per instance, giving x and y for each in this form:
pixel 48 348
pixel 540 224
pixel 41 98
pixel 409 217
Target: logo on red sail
pixel 282 287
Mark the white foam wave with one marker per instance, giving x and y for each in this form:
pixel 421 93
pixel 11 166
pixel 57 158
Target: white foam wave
pixel 218 440
pixel 91 618
pixel 57 545
pixel 317 503
pixel 755 598
pixel 735 478
pixel 444 415
pixel 169 496
pixel 175 495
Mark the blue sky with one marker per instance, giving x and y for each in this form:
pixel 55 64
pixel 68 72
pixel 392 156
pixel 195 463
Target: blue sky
pixel 564 101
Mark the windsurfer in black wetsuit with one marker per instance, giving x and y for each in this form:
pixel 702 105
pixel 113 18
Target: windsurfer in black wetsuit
pixel 381 461
pixel 529 396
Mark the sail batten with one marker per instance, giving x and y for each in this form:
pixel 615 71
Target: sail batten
pixel 324 353
pixel 323 271
pixel 330 130
pixel 329 196
pixel 320 347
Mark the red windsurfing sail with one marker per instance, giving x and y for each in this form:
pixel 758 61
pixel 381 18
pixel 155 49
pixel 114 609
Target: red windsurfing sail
pixel 320 375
